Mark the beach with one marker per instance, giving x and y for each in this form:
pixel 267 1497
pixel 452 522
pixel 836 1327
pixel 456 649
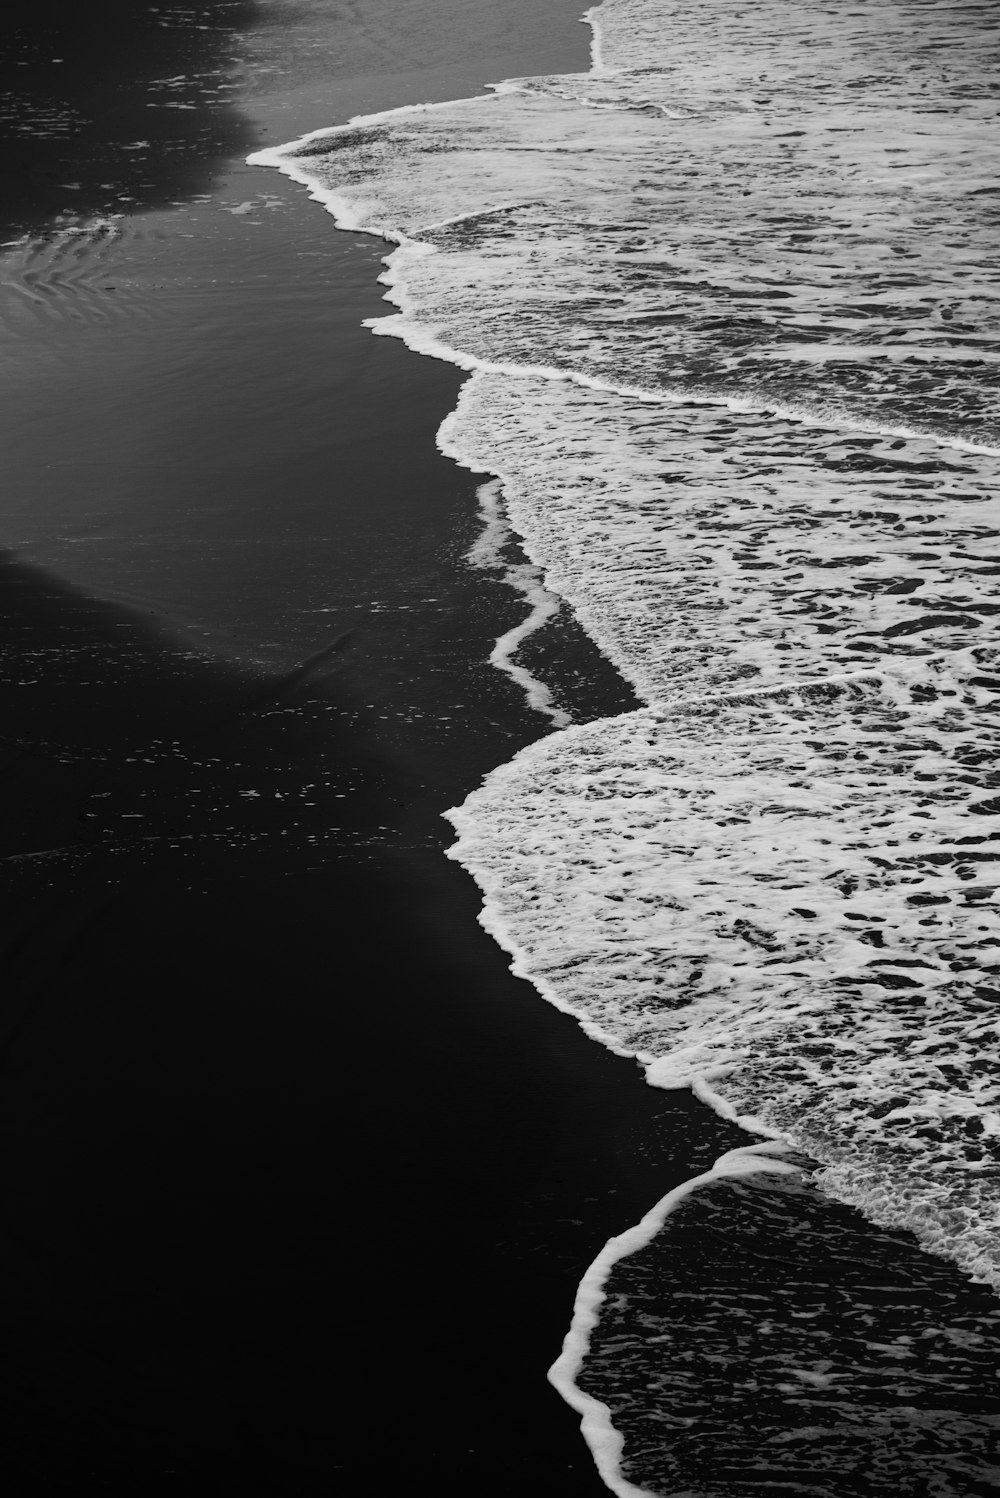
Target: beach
pixel 298 1180
pixel 338 679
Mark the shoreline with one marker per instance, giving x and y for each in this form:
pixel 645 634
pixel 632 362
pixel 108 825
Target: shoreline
pixel 223 1233
pixel 351 218
pixel 305 1180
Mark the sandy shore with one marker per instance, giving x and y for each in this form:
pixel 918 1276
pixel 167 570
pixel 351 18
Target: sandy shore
pixel 298 1180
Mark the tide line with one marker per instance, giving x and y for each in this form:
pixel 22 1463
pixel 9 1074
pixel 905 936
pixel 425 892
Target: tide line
pixel 487 554
pixel 596 1424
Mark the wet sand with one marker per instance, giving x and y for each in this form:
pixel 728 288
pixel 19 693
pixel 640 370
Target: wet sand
pixel 298 1181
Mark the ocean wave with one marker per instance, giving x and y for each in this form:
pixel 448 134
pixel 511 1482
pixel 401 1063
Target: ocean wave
pixel 729 305
pixel 752 1336
pixel 696 239
pixel 704 546
pixel 785 899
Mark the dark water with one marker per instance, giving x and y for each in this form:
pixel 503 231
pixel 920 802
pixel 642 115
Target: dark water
pixel 768 1340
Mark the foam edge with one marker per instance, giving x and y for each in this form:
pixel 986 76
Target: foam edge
pixel 604 1441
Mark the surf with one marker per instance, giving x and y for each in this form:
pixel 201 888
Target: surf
pixel 724 302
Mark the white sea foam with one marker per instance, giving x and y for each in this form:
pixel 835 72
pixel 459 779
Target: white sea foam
pixel 730 305
pixel 702 547
pixel 598 1427
pixel 751 1336
pixel 705 231
pixel 787 896
pixel 489 553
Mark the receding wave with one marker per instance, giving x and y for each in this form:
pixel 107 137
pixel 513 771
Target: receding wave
pixel 730 306
pixel 797 221
pixel 785 900
pixel 753 1336
pixel 703 547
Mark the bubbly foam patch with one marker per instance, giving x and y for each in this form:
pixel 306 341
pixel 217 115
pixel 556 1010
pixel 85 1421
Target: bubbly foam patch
pixel 801 215
pixel 703 547
pixel 789 896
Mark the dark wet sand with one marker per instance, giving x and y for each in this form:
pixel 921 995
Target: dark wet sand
pixel 298 1182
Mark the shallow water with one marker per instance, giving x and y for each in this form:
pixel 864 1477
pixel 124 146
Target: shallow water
pixel 764 1340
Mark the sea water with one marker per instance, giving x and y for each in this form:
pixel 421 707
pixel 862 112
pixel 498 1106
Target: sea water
pixel 730 304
